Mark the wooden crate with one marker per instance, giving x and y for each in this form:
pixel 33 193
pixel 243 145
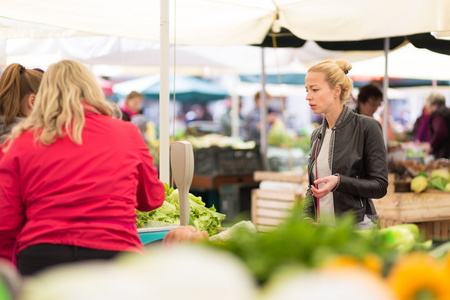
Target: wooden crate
pixel 280 176
pixel 269 208
pixel 435 230
pixel 432 205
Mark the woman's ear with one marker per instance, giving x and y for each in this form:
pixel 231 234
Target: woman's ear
pixel 30 101
pixel 337 91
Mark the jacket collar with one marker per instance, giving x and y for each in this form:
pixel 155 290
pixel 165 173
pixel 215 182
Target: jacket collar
pixel 342 120
pixel 89 109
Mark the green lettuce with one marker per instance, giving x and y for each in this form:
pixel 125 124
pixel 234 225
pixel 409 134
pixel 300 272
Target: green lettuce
pixel 202 217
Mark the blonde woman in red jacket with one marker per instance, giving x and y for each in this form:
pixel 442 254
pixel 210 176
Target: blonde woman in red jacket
pixel 72 176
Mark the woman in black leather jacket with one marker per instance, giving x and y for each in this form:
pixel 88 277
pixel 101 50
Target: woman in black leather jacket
pixel 348 161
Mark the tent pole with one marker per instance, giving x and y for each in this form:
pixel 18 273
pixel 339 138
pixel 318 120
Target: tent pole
pixel 385 90
pixel 263 113
pixel 164 95
pixel 235 109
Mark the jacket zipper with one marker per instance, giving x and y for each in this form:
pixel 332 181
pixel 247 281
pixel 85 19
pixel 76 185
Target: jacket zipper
pixel 360 201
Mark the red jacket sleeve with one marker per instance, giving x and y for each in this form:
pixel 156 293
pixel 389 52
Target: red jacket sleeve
pixel 11 206
pixel 150 192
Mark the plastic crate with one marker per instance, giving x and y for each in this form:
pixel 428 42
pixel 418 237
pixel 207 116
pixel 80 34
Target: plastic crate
pixel 235 199
pixel 230 200
pixel 227 161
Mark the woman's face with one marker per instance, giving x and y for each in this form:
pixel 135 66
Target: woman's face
pixel 320 96
pixel 134 103
pixel 371 106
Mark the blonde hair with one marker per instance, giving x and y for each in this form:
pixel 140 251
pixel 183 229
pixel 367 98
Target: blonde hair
pixel 58 108
pixel 336 75
pixel 16 83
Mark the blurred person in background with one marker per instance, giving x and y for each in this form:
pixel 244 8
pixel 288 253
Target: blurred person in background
pixel 141 122
pixel 226 118
pixel 132 105
pixel 18 89
pixel 421 129
pixel 439 123
pixel 198 112
pixel 369 99
pixel 252 121
pixel 348 160
pixel 72 177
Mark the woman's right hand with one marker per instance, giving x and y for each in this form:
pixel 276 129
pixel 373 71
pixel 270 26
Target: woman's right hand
pixel 330 184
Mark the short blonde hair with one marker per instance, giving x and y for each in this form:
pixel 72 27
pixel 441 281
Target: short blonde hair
pixel 336 75
pixel 58 108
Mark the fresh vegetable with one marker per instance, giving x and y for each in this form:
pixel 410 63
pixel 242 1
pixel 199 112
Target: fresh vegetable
pixel 296 243
pixel 438 183
pixel 447 187
pixel 203 218
pixel 233 232
pixel 276 136
pixel 342 283
pixel 440 251
pixel 441 173
pixel 418 275
pixel 419 184
pixel 403 238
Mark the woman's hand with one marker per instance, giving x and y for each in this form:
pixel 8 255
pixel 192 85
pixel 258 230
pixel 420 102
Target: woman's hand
pixel 184 234
pixel 330 184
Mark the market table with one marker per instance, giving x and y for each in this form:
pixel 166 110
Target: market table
pixel 430 210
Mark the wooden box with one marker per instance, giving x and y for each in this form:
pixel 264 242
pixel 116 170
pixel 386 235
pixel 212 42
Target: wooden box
pixel 269 208
pixel 432 205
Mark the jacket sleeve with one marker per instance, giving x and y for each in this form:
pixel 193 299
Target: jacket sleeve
pixel 374 182
pixel 150 191
pixel 11 207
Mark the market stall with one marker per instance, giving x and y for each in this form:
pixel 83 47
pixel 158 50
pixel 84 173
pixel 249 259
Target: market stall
pixel 417 194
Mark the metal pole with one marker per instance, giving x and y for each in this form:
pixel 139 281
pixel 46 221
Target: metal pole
pixel 235 110
pixel 385 89
pixel 263 112
pixel 164 94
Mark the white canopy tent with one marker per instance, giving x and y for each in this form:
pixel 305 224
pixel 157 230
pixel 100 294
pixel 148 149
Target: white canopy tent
pixel 230 22
pixel 235 22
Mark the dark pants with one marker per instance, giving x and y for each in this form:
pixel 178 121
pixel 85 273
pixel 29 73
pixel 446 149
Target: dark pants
pixel 35 258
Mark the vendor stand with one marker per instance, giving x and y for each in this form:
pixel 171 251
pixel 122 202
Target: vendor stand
pixel 430 210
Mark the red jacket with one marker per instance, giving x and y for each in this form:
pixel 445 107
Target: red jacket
pixel 83 195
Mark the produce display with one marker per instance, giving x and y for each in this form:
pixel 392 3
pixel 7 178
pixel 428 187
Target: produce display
pixel 210 140
pixel 204 218
pixel 297 243
pixel 438 179
pixel 297 260
pixel 419 177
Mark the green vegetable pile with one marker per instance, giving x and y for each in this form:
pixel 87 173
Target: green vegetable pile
pixel 297 243
pixel 203 218
pixel 439 179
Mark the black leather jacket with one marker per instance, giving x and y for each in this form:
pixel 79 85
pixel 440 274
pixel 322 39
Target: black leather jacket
pixel 358 155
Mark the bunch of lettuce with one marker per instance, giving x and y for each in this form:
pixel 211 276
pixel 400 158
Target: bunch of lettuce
pixel 203 218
